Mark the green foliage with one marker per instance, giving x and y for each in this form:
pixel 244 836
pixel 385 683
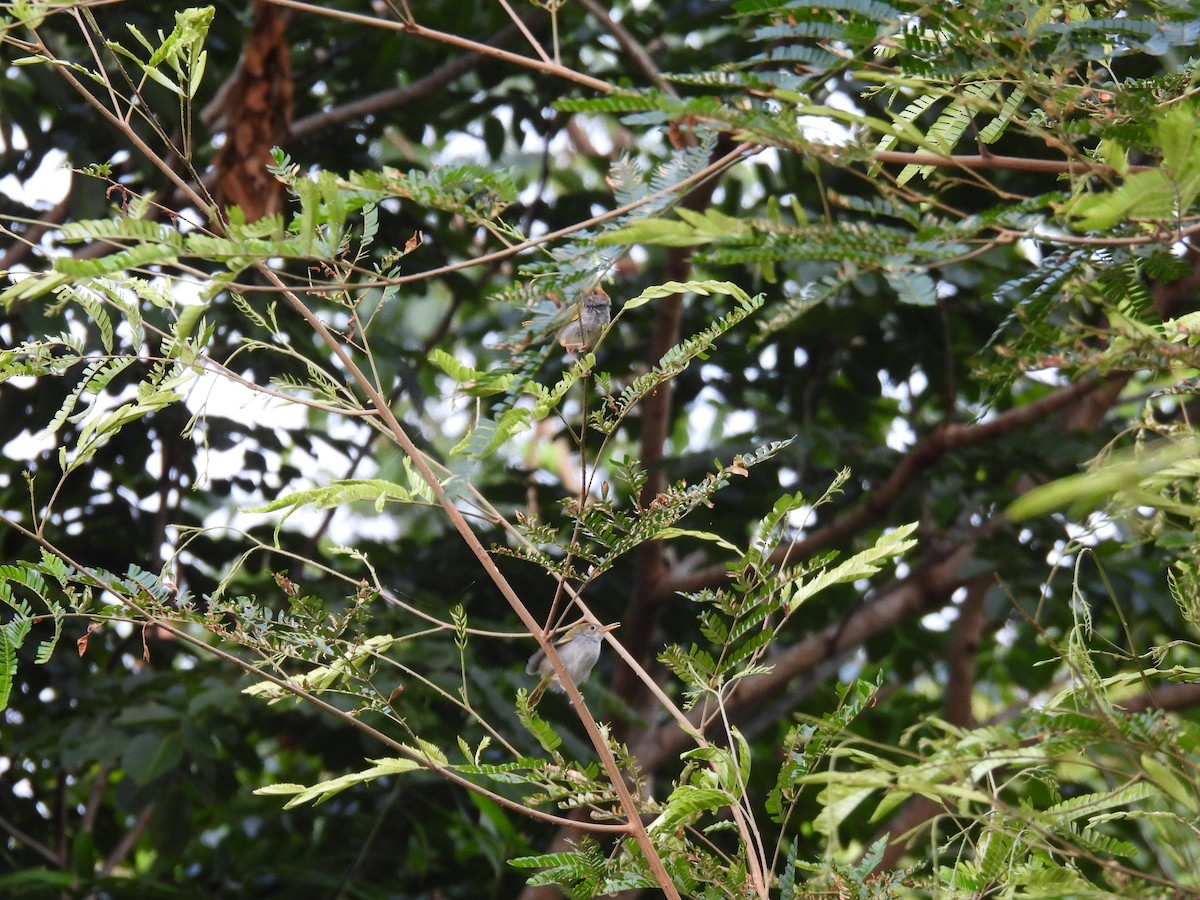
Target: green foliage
pixel 919 206
pixel 584 872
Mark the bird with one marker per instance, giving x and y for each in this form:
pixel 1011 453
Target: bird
pixel 578 649
pixel 593 312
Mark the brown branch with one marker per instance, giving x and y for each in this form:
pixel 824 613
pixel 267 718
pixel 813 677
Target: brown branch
pixel 989 161
pixel 128 840
pixel 634 826
pixel 204 645
pixel 533 42
pixel 16 834
pixel 25 243
pixel 962 655
pixel 916 813
pixel 130 134
pixel 634 50
pixel 416 29
pixel 923 455
pixel 409 93
pixel 738 153
pixel 642 612
pixel 1168 698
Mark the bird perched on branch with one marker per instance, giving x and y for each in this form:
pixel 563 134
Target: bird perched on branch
pixel 578 649
pixel 592 313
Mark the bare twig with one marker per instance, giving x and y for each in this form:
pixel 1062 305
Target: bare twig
pixel 292 687
pixel 32 843
pixel 924 454
pixel 533 42
pixel 930 583
pixel 479 551
pixel 640 56
pixel 383 101
pixel 417 30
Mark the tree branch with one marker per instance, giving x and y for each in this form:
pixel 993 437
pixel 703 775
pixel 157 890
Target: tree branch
pixel 416 29
pixel 990 161
pixel 409 93
pixel 634 825
pixel 923 455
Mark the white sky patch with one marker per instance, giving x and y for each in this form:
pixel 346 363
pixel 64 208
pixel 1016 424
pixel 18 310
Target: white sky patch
pixel 228 398
pixel 48 185
pixel 825 130
pixel 1031 250
pixel 900 434
pixel 801 519
pixel 27 446
pixel 1007 634
pixel 1058 555
pixel 1046 376
pixel 705 427
pixel 942 619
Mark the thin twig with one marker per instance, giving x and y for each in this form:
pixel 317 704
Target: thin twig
pixel 640 56
pixel 374 104
pixel 533 42
pixel 738 152
pixel 400 435
pixel 117 122
pixel 920 457
pixel 289 685
pixel 418 30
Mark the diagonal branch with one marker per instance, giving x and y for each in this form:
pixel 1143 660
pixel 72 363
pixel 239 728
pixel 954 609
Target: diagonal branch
pixel 416 29
pixel 130 134
pixel 145 617
pixel 923 455
pixel 991 161
pixel 634 825
pixel 409 93
pixel 641 58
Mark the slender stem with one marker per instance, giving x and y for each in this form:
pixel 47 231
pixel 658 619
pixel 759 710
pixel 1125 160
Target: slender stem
pixel 991 161
pixel 418 30
pixel 533 42
pixel 147 618
pixel 121 125
pixel 400 435
pixel 630 45
pixel 737 153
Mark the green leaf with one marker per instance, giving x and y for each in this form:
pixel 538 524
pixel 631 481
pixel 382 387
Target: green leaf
pixel 150 755
pixel 658 291
pixel 687 803
pixel 1171 782
pixel 319 793
pixel 861 565
pixel 1088 491
pixel 12 635
pixel 838 801
pixel 1150 194
pixel 352 490
pixel 669 533
pixel 912 286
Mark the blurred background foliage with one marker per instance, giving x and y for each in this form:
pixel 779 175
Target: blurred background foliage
pixel 952 337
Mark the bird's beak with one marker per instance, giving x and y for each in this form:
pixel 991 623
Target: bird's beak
pixel 610 627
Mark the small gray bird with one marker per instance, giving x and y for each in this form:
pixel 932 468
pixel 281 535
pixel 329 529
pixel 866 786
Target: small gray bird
pixel 578 649
pixel 592 313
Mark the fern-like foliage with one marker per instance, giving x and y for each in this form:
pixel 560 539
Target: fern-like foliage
pixel 587 871
pixel 613 532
